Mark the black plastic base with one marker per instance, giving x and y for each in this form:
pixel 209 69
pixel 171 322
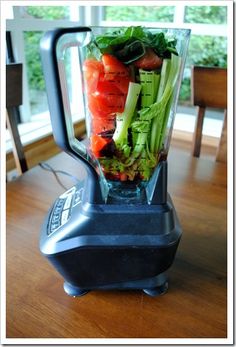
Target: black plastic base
pixel 157 291
pixel 155 286
pixel 109 246
pixel 73 290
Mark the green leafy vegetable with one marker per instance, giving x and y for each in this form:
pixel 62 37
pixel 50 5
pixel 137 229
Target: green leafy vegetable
pixel 128 44
pixel 131 52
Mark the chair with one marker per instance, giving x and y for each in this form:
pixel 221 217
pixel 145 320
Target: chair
pixel 209 89
pixel 13 101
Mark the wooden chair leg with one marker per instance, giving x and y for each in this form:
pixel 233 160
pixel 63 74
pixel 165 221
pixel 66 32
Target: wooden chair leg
pixel 197 136
pixel 221 154
pixel 18 151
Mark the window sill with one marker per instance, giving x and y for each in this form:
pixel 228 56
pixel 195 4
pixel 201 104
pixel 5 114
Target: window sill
pixel 39 144
pixel 39 128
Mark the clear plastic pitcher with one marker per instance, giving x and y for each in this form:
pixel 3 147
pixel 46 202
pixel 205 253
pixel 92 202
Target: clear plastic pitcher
pixel 125 82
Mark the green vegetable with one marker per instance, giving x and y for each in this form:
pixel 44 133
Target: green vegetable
pixel 123 120
pixel 156 126
pixel 129 44
pixel 165 98
pixel 131 52
pixel 149 81
pixel 152 121
pixel 164 77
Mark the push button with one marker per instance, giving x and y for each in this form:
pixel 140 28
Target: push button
pixel 55 218
pixel 57 210
pixel 64 217
pixel 68 201
pixel 78 196
pixel 54 226
pixel 60 203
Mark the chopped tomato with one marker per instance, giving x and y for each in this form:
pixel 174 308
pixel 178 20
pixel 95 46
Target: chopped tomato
pixel 107 87
pixel 97 143
pixel 95 107
pixel 122 84
pixel 93 64
pixel 106 100
pixel 102 124
pixel 113 68
pixel 149 61
pixel 123 176
pixel 102 146
pixel 93 72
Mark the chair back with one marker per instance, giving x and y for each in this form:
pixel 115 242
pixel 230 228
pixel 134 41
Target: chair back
pixel 209 89
pixel 13 85
pixel 13 101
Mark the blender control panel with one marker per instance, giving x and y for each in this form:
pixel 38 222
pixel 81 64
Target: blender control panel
pixel 62 208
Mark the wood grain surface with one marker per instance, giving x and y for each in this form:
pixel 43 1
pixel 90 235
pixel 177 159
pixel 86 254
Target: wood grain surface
pixel 195 305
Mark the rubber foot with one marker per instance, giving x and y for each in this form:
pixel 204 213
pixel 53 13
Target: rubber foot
pixel 157 291
pixel 73 290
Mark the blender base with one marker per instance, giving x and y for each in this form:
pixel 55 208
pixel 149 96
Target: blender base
pixel 157 291
pixel 154 286
pixel 73 290
pixel 111 246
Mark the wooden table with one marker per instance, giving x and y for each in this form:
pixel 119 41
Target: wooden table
pixel 195 305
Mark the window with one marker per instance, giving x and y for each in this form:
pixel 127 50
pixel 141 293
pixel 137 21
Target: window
pixel 27 28
pixel 28 23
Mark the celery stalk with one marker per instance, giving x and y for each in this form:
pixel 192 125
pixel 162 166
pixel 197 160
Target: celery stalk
pixel 163 78
pixel 141 127
pixel 149 83
pixel 156 123
pixel 172 79
pixel 156 83
pixel 168 80
pixel 165 121
pixel 123 120
pixel 148 125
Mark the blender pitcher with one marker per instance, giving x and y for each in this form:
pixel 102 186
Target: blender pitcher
pixel 125 82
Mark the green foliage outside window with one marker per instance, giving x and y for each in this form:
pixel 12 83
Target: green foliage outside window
pixel 33 61
pixel 140 13
pixel 206 14
pixel 208 50
pixel 32 41
pixel 205 51
pixel 48 12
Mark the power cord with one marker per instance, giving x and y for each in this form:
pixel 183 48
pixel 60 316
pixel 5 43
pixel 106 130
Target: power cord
pixel 47 167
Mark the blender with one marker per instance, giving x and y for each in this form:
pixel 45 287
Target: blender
pixel 117 228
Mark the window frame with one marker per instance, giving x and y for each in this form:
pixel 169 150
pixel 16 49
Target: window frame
pixel 89 16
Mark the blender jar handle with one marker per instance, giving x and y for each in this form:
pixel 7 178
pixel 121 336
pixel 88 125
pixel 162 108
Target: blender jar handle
pixel 53 47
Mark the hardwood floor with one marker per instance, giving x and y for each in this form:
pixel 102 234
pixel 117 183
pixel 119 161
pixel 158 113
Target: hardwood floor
pixel 183 140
